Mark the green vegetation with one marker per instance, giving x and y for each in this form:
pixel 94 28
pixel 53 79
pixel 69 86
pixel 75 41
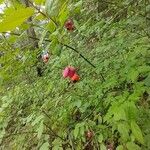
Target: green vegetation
pixel 109 44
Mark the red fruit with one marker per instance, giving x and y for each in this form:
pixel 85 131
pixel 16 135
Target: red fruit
pixel 45 58
pixel 68 72
pixel 71 72
pixel 75 78
pixel 69 25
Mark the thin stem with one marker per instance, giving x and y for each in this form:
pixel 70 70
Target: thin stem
pixel 75 50
pixel 39 11
pixel 54 132
pixel 79 54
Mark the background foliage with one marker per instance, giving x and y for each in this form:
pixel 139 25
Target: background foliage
pixel 109 46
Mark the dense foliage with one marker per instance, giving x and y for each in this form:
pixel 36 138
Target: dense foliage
pixel 109 44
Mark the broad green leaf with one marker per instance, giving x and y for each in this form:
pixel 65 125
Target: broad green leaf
pixel 137 132
pixel 132 146
pixel 45 146
pixel 15 18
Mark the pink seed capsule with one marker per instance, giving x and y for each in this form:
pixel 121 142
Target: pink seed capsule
pixel 65 72
pixel 69 72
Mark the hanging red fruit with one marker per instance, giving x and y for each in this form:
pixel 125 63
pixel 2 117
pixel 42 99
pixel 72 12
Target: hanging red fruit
pixel 75 78
pixel 70 72
pixel 69 25
pixel 45 56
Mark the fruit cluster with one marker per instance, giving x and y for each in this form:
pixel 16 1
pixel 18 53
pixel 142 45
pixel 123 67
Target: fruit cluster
pixel 71 73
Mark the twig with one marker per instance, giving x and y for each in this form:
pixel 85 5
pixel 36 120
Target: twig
pixel 53 132
pixel 79 54
pixel 39 11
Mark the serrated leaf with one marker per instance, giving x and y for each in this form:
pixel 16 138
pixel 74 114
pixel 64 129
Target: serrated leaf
pixel 137 132
pixel 15 18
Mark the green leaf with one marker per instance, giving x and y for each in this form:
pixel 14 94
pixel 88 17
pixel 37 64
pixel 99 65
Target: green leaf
pixel 100 138
pixel 77 7
pixel 133 74
pixel 77 103
pixel 123 129
pixel 132 146
pixel 53 7
pixel 102 147
pixel 63 14
pixel 51 26
pixel 137 132
pixel 15 18
pixel 120 147
pixel 76 131
pixel 1 1
pixel 45 146
pixel 147 81
pixel 37 120
pixel 40 130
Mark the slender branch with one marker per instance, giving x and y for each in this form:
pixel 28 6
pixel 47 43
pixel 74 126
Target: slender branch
pixel 39 11
pixel 75 50
pixel 56 135
pixel 79 54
